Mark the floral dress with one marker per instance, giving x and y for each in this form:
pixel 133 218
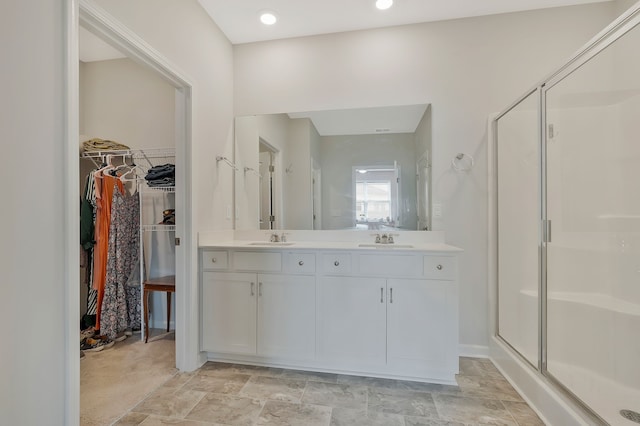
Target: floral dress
pixel 121 302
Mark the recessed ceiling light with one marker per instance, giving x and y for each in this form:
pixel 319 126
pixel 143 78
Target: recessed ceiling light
pixel 268 18
pixel 384 4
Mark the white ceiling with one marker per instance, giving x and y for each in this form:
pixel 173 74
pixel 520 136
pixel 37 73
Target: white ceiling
pixel 362 121
pixel 238 19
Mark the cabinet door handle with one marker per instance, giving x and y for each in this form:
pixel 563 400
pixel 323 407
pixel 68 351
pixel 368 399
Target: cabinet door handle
pixel 252 292
pixel 336 263
pixel 214 260
pixel 381 295
pixel 259 289
pixel 439 267
pixel 301 263
pixel 391 295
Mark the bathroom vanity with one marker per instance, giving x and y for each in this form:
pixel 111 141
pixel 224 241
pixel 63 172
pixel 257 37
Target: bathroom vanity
pixel 353 307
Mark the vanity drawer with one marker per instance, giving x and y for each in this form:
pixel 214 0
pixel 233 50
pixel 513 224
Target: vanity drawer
pixel 262 261
pixel 392 265
pixel 300 263
pixel 215 260
pixel 440 267
pixel 336 263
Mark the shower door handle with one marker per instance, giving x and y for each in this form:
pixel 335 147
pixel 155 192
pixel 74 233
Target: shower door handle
pixel 546 231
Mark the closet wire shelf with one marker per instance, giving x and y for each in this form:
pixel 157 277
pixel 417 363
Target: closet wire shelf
pixel 169 189
pixel 161 228
pixel 135 154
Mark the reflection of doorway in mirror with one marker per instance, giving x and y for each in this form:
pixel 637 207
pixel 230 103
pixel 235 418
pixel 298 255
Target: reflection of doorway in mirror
pixel 267 188
pixel 376 202
pixel 423 169
pixel 316 182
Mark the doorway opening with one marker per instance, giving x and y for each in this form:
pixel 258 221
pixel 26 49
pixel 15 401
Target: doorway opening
pixel 96 21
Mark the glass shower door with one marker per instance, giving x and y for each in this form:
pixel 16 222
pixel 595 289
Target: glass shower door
pixel 518 160
pixel 593 254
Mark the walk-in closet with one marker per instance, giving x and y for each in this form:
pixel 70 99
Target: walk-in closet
pixel 128 221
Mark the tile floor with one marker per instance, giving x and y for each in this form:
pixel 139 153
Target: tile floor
pixel 229 394
pixel 115 380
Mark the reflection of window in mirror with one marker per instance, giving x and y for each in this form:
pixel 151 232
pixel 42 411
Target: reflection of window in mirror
pixel 374 201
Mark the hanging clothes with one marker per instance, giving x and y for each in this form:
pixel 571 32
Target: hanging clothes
pixel 87 241
pixel 105 187
pixel 121 300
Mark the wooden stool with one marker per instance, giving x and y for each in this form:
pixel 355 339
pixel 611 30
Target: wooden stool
pixel 166 284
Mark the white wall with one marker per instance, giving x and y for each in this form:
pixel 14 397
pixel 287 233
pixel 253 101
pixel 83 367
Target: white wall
pixel 297 182
pixel 465 68
pixel 422 135
pixel 183 33
pixel 125 102
pixel 32 308
pixel 247 184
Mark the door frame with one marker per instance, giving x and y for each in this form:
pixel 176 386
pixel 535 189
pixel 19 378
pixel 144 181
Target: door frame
pixel 105 26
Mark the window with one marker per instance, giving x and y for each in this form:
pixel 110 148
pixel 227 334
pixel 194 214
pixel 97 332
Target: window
pixel 373 200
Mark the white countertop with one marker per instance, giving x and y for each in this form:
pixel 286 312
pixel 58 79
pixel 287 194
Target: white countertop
pixel 226 240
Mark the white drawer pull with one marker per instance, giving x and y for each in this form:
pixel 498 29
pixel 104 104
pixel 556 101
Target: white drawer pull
pixel 336 263
pixel 301 263
pixel 439 267
pixel 214 260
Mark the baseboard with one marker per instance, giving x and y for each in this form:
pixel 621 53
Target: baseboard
pixel 551 405
pixel 474 351
pixel 162 324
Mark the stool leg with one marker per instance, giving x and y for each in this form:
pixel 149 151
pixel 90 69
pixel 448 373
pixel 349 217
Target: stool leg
pixel 168 309
pixel 145 307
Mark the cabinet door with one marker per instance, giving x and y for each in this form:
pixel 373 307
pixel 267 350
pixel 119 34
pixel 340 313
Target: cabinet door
pixel 287 316
pixel 352 321
pixel 422 330
pixel 229 312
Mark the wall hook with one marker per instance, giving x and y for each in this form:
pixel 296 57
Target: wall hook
pixel 462 162
pixel 226 160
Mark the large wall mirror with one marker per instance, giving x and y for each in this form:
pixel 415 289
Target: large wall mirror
pixel 367 168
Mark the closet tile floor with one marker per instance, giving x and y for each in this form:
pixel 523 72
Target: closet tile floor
pixel 115 380
pixel 230 394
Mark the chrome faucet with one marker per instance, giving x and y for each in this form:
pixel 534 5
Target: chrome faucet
pixel 384 239
pixel 274 238
pixel 377 237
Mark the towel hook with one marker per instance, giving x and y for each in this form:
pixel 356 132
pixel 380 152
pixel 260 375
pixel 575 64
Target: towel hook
pixel 462 162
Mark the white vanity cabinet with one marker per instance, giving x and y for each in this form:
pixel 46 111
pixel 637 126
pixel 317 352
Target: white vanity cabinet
pixel 228 306
pixel 384 313
pixel 422 335
pixel 352 320
pixel 264 314
pixel 287 316
pixel 392 312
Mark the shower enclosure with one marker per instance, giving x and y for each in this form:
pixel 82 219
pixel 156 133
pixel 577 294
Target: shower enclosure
pixel 567 215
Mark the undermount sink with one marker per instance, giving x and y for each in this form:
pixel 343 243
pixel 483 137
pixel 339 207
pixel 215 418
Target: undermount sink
pixel 270 243
pixel 386 246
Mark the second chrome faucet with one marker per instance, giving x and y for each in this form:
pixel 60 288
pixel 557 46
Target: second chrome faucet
pixel 384 238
